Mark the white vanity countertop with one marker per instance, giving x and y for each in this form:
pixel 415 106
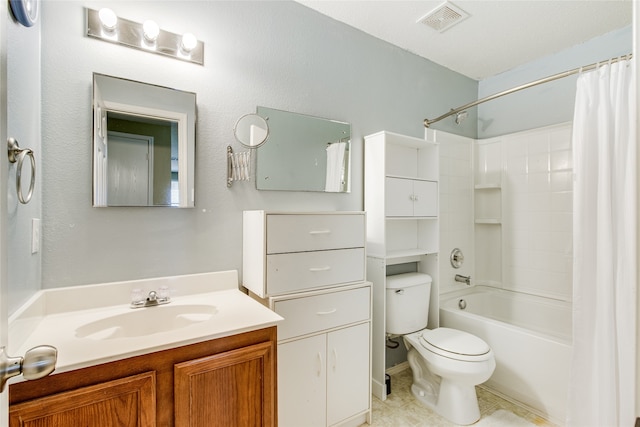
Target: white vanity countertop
pixel 53 316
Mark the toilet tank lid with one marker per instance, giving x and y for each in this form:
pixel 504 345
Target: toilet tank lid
pixel 406 280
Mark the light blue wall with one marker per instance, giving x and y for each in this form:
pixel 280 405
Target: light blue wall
pixel 277 54
pixel 550 103
pixel 23 115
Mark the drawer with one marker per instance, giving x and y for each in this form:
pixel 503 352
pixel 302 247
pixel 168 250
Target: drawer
pixel 300 233
pixel 288 273
pixel 319 312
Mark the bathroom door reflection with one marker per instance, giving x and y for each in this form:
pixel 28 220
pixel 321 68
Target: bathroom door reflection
pixel 130 170
pixel 139 166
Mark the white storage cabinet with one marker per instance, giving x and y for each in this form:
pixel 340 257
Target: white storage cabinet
pixel 401 201
pixel 292 252
pixel 324 374
pixel 310 269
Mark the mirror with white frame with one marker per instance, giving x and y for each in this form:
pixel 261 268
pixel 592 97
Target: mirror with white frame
pixel 143 144
pixel 303 153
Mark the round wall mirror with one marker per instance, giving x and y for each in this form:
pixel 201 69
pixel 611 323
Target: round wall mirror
pixel 251 130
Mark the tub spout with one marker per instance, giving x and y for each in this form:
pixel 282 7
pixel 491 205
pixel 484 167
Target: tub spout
pixel 463 279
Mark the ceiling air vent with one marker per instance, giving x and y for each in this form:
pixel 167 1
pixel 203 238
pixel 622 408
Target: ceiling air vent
pixel 444 17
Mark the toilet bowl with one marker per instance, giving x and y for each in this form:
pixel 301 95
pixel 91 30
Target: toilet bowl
pixel 446 363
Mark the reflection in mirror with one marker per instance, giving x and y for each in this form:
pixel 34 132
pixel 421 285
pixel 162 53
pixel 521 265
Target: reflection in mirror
pixel 251 130
pixel 143 144
pixel 304 153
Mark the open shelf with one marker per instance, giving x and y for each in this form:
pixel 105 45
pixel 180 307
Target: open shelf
pixel 490 186
pixel 490 221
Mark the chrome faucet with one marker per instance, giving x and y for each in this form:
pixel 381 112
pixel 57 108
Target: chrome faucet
pixel 154 298
pixel 463 279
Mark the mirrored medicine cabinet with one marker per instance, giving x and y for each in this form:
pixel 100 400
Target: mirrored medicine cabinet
pixel 143 144
pixel 303 153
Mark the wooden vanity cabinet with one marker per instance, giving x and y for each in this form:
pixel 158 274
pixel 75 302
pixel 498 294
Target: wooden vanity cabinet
pixel 228 381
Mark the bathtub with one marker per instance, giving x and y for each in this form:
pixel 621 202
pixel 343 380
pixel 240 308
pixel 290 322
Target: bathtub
pixel 531 339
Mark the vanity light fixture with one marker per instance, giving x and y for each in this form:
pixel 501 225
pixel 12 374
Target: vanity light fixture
pixel 150 30
pixel 188 43
pixel 148 36
pixel 108 19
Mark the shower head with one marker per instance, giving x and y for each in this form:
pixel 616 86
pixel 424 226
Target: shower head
pixel 461 116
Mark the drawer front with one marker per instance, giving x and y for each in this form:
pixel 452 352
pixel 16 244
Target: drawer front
pixel 287 273
pixel 300 233
pixel 319 312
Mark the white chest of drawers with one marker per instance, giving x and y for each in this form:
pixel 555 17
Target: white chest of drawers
pixel 292 252
pixel 310 269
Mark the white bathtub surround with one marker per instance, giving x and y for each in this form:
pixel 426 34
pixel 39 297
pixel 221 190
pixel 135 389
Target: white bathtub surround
pixel 530 337
pixel 602 388
pixel 508 200
pixel 523 212
pixel 56 317
pixel 456 208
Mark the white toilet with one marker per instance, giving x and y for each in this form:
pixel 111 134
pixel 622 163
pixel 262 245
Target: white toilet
pixel 447 364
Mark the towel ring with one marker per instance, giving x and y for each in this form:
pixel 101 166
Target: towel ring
pixel 17 154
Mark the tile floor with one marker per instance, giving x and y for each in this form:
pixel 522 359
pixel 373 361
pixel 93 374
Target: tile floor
pixel 401 409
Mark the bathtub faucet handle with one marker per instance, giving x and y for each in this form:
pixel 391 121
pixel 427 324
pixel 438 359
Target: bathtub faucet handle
pixel 463 279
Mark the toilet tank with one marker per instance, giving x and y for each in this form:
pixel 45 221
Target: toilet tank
pixel 407 302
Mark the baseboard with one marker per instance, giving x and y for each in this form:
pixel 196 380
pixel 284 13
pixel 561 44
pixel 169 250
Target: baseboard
pixel 379 390
pixel 529 408
pixel 397 368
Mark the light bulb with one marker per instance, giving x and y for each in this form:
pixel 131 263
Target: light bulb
pixel 150 30
pixel 108 19
pixel 189 42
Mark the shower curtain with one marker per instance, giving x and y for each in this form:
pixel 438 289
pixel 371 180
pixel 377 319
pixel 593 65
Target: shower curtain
pixel 602 387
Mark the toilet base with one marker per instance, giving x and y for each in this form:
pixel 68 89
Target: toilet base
pixel 456 403
pixel 452 400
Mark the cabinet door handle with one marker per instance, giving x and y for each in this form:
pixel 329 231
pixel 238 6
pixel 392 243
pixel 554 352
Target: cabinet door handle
pixel 335 359
pixel 316 269
pixel 315 232
pixel 324 313
pixel 319 370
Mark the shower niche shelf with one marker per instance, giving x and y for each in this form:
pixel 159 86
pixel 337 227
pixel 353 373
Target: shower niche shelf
pixel 488 204
pixel 488 233
pixel 490 186
pixel 488 221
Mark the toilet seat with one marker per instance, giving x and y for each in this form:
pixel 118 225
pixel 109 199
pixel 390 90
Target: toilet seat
pixel 455 344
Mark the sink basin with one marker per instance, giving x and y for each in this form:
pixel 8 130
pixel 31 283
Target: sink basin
pixel 147 321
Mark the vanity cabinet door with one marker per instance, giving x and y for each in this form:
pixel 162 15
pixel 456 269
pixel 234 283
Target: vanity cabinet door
pixel 425 198
pixel 126 402
pixel 399 197
pixel 348 372
pixel 234 389
pixel 302 384
pixel 411 197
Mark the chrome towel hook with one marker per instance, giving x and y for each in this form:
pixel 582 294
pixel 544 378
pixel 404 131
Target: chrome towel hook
pixel 17 154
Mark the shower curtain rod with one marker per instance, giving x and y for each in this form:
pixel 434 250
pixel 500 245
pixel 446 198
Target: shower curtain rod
pixel 428 122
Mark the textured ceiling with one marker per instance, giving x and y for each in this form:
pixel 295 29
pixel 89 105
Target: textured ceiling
pixel 496 37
